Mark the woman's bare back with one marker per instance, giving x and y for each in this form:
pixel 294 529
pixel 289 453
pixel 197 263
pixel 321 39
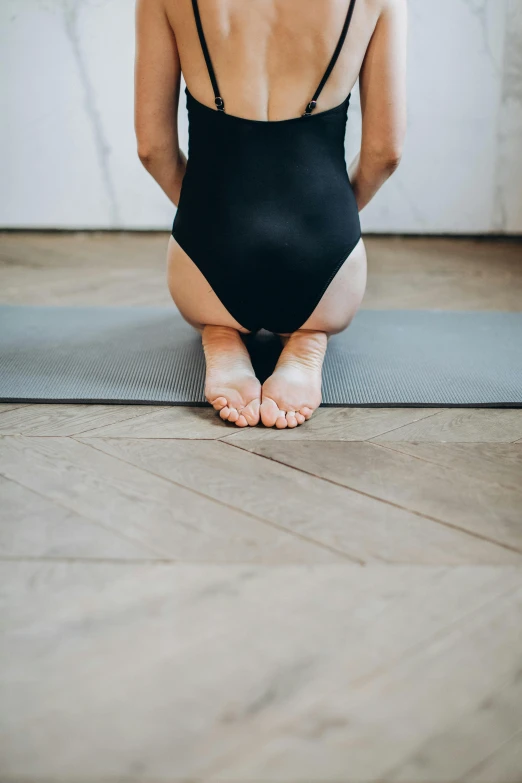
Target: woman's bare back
pixel 269 56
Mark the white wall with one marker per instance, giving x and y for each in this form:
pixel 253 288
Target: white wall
pixel 67 149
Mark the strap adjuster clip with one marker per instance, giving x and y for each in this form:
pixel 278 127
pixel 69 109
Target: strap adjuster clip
pixel 220 103
pixel 309 109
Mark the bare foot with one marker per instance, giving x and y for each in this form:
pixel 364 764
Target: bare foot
pixel 231 385
pixel 293 391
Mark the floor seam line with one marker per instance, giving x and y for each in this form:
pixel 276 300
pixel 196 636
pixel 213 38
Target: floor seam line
pixel 351 558
pixel 328 440
pixel 445 467
pixel 483 762
pixel 15 407
pixel 80 514
pixel 395 505
pixel 122 421
pixel 395 429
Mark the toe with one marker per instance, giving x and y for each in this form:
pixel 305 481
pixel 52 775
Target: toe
pixel 307 412
pixel 233 415
pixel 241 422
pixel 269 412
pixel 281 421
pixel 299 417
pixel 224 412
pixel 291 419
pixel 219 403
pixel 251 413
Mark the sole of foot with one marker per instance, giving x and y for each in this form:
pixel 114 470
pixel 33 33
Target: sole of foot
pixel 293 391
pixel 231 386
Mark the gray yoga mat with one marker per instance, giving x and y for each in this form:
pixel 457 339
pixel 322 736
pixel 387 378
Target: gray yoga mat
pixel 150 355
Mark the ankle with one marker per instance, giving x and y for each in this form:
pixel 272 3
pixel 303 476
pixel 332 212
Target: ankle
pixel 219 335
pixel 304 348
pixel 224 349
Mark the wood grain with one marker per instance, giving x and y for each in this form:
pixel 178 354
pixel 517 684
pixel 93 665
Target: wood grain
pixel 500 463
pixel 443 274
pixel 9 406
pixel 104 268
pixel 59 420
pixel 168 520
pixel 380 728
pixel 84 268
pixel 470 425
pixel 36 527
pixel 364 528
pixel 336 662
pixel 480 507
pixel 334 424
pixel 502 766
pixel 168 422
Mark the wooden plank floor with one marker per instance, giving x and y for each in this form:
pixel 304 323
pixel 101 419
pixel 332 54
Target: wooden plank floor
pixel 185 601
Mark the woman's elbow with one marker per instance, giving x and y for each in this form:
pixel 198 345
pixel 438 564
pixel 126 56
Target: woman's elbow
pixel 393 160
pixel 147 152
pixel 386 158
pixel 152 144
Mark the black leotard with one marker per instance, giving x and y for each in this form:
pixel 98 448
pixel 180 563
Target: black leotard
pixel 266 211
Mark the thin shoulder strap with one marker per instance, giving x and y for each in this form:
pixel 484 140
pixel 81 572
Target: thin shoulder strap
pixel 217 98
pixel 311 106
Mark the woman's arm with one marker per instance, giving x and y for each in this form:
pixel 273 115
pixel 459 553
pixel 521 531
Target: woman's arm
pixel 383 102
pixel 157 80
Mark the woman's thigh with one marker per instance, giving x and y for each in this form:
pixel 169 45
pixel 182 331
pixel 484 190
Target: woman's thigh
pixel 343 296
pixel 192 293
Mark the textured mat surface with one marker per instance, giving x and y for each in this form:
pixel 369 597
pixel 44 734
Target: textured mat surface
pixel 150 355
